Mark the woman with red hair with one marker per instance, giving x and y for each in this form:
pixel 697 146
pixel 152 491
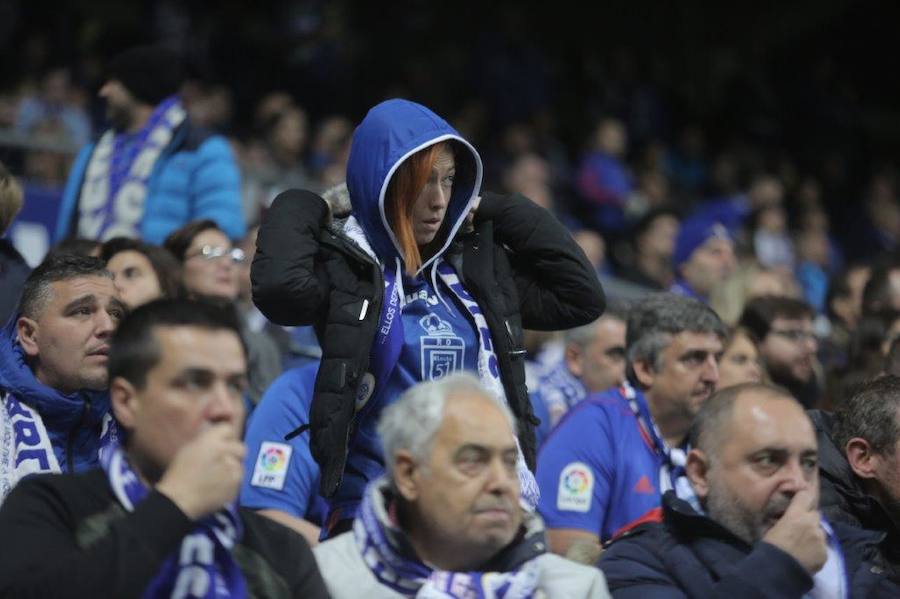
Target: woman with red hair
pixel 422 276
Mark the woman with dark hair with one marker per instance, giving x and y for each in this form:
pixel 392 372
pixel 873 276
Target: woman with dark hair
pixel 425 277
pixel 142 272
pixel 209 267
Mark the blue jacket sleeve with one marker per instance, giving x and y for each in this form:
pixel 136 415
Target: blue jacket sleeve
pixel 216 187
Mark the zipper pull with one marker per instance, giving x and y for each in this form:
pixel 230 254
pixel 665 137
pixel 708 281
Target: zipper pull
pixel 365 309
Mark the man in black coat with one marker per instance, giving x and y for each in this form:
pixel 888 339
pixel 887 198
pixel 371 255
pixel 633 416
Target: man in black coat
pixel 758 532
pixel 859 462
pixel 159 519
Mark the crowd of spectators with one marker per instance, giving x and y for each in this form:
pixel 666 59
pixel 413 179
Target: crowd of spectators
pixel 745 231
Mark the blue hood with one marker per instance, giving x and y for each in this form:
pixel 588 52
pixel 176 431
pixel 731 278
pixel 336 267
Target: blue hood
pixel 391 132
pixel 61 413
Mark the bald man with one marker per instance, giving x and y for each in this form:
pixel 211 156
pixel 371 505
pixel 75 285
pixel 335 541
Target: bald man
pixel 754 468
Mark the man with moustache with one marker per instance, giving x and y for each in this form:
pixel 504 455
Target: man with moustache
pixel 605 467
pixel 788 344
pixel 445 519
pixel 54 409
pixel 756 530
pixel 152 171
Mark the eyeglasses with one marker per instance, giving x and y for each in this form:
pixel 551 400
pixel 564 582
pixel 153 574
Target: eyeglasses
pixel 212 252
pixel 795 335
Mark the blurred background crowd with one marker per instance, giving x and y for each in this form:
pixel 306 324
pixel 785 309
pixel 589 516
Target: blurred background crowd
pixel 625 119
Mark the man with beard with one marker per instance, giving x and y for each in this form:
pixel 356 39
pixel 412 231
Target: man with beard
pixel 445 520
pixel 756 531
pixel 788 344
pixel 606 465
pixel 152 171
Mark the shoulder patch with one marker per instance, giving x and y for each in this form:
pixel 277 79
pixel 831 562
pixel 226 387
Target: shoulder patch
pixel 271 465
pixel 576 487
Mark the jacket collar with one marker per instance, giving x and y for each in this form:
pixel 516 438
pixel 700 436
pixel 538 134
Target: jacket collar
pixel 59 411
pixel 686 523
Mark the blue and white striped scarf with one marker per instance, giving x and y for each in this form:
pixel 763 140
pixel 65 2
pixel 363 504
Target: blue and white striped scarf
pixel 112 197
pixel 488 365
pixel 380 542
pixel 202 567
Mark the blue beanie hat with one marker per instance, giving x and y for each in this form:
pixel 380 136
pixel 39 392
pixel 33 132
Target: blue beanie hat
pixel 694 232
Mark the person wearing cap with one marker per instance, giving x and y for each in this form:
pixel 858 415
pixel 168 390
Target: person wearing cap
pixel 152 171
pixel 704 256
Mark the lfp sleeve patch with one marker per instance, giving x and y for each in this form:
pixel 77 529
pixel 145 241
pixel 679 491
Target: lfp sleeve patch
pixel 576 486
pixel 271 465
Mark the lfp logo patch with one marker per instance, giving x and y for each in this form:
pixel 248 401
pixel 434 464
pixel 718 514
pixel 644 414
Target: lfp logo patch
pixel 271 465
pixel 576 485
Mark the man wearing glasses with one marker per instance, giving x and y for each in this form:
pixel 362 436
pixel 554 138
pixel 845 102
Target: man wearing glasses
pixel 788 344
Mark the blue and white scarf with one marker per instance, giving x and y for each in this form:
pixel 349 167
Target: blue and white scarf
pixel 25 445
pixel 381 544
pixel 115 181
pixel 672 474
pixel 389 341
pixel 560 390
pixel 203 565
pixel 831 581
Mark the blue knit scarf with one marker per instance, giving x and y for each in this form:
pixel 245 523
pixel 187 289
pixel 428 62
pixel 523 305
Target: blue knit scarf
pixel 386 552
pixel 203 565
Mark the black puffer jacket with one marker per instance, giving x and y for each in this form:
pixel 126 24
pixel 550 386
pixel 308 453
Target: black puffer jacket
pixel 520 264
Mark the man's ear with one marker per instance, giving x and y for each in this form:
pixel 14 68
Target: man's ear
pixel 863 461
pixel 572 356
pixel 27 331
pixel 406 475
pixel 644 372
pixel 697 470
pixel 125 402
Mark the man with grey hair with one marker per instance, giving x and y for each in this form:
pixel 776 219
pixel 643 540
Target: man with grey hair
pixel 605 467
pixel 594 361
pixel 445 520
pixel 54 408
pixel 859 461
pixel 755 529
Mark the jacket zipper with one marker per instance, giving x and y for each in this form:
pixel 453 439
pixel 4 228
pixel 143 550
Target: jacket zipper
pixel 343 244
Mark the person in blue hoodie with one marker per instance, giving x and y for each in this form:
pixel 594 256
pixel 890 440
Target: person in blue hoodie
pixel 54 408
pixel 153 170
pixel 410 275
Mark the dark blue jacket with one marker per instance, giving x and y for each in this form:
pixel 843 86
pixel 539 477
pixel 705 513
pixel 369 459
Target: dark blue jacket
pixel 689 555
pixel 74 422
